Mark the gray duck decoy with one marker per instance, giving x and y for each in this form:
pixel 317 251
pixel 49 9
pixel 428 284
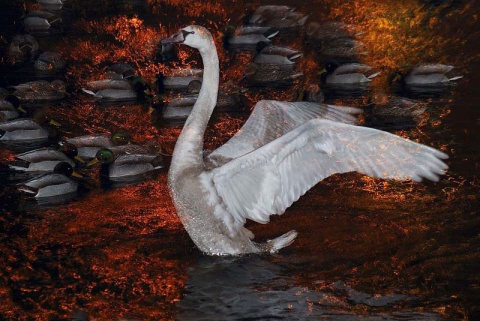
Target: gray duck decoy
pixel 249 37
pixel 429 75
pixel 52 184
pixel 277 55
pixel 348 74
pixel 41 160
pixel 87 146
pixel 182 80
pixel 41 21
pixel 38 129
pixel 128 160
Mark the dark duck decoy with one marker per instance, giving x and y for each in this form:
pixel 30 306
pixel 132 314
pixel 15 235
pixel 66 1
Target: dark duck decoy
pixel 40 90
pixel 50 62
pixel 271 75
pixel 10 108
pixel 52 184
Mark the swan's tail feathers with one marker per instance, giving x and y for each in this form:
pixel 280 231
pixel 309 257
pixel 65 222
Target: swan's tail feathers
pixel 455 78
pixel 373 75
pixel 88 91
pixel 280 242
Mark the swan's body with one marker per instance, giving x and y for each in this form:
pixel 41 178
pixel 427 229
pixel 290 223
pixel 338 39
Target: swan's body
pixel 279 154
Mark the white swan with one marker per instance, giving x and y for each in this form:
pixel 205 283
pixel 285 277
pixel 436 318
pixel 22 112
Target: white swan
pixel 280 153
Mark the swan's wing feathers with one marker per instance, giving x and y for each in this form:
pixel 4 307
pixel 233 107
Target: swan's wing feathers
pixel 268 180
pixel 271 119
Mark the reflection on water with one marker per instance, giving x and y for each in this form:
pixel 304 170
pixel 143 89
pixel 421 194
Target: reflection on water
pixel 367 249
pixel 258 288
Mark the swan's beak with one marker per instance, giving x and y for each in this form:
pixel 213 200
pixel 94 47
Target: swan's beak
pixel 176 38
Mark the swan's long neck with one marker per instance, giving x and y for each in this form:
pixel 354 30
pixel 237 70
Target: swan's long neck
pixel 188 150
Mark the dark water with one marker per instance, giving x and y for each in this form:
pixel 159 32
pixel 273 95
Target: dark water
pixel 367 249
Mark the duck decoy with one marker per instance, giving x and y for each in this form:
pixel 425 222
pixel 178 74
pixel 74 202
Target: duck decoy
pixel 179 108
pixel 430 75
pixel 277 55
pixel 49 61
pixel 38 129
pixel 289 20
pixel 23 47
pixel 352 73
pixel 395 112
pixel 51 4
pixel 128 160
pixel 40 90
pixel 393 106
pixel 230 98
pixel 269 12
pixel 121 71
pixel 9 108
pixel 52 184
pixel 282 151
pixel 343 48
pixel 41 21
pixel 271 75
pixel 182 80
pixel 87 146
pixel 311 93
pixel 102 84
pixel 330 30
pixel 117 95
pixel 40 160
pixel 249 37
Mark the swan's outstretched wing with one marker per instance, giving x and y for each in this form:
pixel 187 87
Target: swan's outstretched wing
pixel 427 69
pixel 271 119
pixel 268 180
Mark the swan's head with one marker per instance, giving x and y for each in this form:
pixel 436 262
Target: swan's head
pixel 194 36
